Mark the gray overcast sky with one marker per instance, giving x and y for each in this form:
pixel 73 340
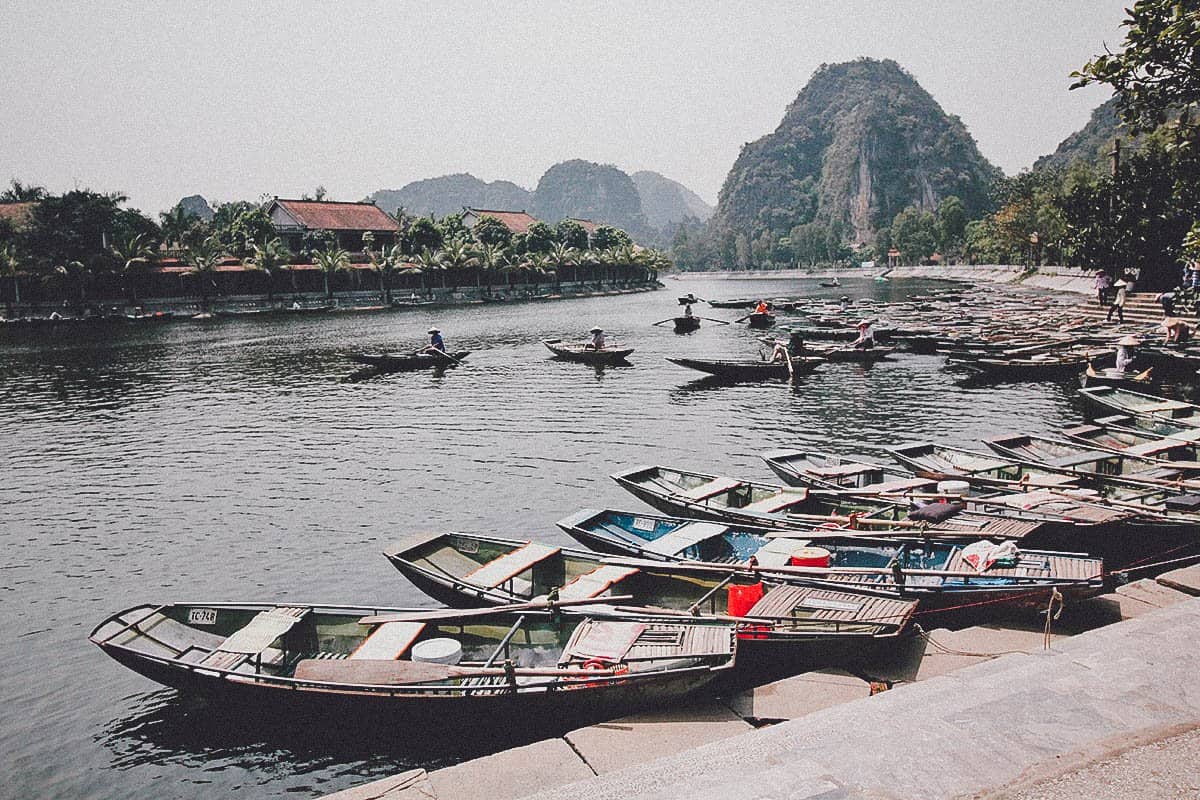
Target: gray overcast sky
pixel 235 100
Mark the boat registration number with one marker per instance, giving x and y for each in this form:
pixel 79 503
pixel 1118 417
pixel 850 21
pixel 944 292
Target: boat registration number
pixel 202 616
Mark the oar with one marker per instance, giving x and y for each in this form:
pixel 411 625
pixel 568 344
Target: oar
pixel 399 673
pixel 455 613
pixel 748 316
pixel 710 319
pixel 664 321
pixel 446 356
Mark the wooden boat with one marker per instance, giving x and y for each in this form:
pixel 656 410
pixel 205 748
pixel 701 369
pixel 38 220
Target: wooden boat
pixel 410 361
pixel 687 324
pixel 930 570
pixel 1143 405
pixel 1077 459
pixel 1121 436
pixel 830 284
pixel 711 497
pixel 826 471
pixel 739 303
pixel 521 666
pixel 1037 367
pixel 473 570
pixel 759 320
pixel 1111 376
pixel 747 370
pixel 576 351
pixel 295 309
pixel 867 355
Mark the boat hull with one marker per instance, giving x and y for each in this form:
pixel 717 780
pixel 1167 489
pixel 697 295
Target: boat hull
pixel 408 363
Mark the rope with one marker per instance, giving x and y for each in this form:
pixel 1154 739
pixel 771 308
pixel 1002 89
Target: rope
pixel 1051 615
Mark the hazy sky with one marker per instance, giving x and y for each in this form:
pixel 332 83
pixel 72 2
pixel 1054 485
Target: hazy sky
pixel 236 100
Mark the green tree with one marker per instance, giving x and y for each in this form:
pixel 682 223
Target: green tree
pixel 423 235
pixel 267 258
pixel 10 265
pixel 540 238
pixel 1158 71
pixel 75 273
pixel 239 225
pixel 952 225
pixel 133 256
pixel 202 259
pixel 562 257
pixel 606 237
pixel 571 234
pixel 18 192
pixel 491 258
pixel 330 262
pixel 914 234
pixel 457 257
pixel 491 231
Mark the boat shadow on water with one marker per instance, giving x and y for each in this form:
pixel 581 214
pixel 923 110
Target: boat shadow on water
pixel 165 726
pixel 374 373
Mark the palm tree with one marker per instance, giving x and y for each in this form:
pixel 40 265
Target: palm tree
pixel 175 225
pixel 202 259
pixel 429 261
pixel 267 258
pixel 78 273
pixel 133 255
pixel 393 258
pixel 331 261
pixel 9 262
pixel 457 256
pixel 561 256
pixel 18 192
pixel 491 258
pixel 541 266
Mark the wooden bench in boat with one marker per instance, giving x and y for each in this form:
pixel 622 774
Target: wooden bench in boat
pixel 814 607
pixel 685 536
pixel 712 488
pixel 901 485
pixel 255 637
pixel 389 641
pixel 510 565
pixel 607 640
pixel 776 503
pixel 1035 565
pixel 594 583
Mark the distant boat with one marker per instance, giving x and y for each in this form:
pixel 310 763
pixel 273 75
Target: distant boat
pixel 687 324
pixel 410 361
pixel 759 320
pixel 749 370
pixel 573 351
pixel 830 284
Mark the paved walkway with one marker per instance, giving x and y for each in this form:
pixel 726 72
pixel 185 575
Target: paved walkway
pixel 972 731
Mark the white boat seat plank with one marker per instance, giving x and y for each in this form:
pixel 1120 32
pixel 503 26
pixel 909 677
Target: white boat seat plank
pixel 511 564
pixel 389 641
pixel 261 631
pixel 775 503
pixel 685 536
pixel 712 488
pixel 595 583
pixel 778 552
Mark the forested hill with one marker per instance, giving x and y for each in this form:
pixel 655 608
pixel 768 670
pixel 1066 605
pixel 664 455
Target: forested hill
pixel 666 203
pixel 1091 144
pixel 450 193
pixel 860 143
pixel 586 190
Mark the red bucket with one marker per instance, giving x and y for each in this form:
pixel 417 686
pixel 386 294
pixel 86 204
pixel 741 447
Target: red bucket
pixel 744 598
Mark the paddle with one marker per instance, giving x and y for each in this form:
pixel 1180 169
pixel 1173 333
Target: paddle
pixel 455 613
pixel 436 352
pixel 664 321
pixel 710 319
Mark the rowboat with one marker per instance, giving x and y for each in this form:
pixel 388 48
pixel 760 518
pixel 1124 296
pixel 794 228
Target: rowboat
pixel 573 351
pixel 474 570
pixel 747 370
pixel 1143 405
pixel 687 324
pixel 938 573
pixel 1034 368
pixel 522 666
pixel 701 496
pixel 827 471
pixel 1119 435
pixel 866 355
pixel 1076 458
pixel 1111 376
pixel 739 303
pixel 761 320
pixel 409 362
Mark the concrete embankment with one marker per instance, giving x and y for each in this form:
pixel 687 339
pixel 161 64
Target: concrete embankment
pixel 989 709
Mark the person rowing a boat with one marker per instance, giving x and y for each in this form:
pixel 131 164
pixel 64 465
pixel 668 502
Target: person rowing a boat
pixel 761 308
pixel 435 341
pixel 597 340
pixel 866 337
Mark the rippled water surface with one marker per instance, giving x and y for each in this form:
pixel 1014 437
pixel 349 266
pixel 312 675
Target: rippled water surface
pixel 234 460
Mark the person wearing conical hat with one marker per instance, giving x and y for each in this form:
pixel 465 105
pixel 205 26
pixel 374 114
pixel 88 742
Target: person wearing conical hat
pixel 435 340
pixel 1178 331
pixel 597 340
pixel 1125 352
pixel 1118 302
pixel 866 337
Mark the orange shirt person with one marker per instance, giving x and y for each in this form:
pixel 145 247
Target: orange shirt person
pixel 761 308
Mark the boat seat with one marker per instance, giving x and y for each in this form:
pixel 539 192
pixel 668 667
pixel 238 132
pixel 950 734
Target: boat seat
pixel 609 640
pixel 902 485
pixel 255 637
pixel 778 551
pixel 712 488
pixel 388 641
pixel 594 583
pixel 508 566
pixel 685 536
pixel 776 502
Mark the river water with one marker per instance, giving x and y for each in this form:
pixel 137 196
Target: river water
pixel 233 460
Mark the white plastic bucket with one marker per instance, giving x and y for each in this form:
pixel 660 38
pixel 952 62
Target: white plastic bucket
pixel 437 651
pixel 955 488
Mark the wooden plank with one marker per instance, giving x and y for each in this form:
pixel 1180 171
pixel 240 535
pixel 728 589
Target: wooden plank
pixel 388 641
pixel 511 564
